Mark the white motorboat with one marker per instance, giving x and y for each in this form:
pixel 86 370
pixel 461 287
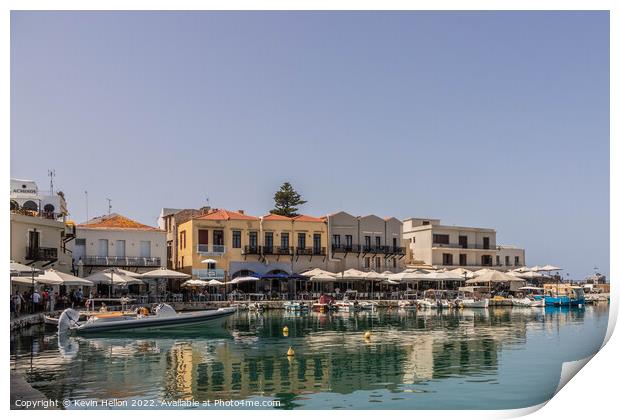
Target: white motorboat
pixel 368 305
pixel 345 305
pixel 523 302
pixel 471 300
pixel 165 317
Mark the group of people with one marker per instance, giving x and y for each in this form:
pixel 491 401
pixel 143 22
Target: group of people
pixel 32 301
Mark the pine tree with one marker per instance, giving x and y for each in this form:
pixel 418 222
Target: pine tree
pixel 287 200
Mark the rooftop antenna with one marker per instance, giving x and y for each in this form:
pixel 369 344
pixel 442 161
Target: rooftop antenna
pixel 51 173
pixel 109 206
pixel 86 195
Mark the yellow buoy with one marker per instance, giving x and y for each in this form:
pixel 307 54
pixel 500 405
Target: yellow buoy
pixel 290 352
pixel 367 335
pixel 285 330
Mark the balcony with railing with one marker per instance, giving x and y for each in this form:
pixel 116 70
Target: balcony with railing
pixel 208 274
pixel 205 249
pixel 310 251
pixel 376 249
pixel 251 250
pixel 97 261
pixel 40 253
pixel 466 246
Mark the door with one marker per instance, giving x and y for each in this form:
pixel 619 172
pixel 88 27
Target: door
pixel 463 241
pixel 103 248
pixel 79 250
pixel 485 242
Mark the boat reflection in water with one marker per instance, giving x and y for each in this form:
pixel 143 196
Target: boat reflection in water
pixel 468 358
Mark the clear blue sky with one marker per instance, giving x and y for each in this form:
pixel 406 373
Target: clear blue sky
pixel 481 119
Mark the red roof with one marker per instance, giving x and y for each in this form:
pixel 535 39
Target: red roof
pixel 306 218
pixel 220 214
pixel 272 216
pixel 115 221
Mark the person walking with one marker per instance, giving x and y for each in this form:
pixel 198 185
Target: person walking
pixel 36 300
pixel 17 301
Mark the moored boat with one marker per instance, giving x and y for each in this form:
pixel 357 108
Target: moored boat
pixel 164 317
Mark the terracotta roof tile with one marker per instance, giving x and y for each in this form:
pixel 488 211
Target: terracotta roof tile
pixel 221 214
pixel 306 218
pixel 115 221
pixel 272 216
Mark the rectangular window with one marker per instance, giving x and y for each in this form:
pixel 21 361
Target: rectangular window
pixel 367 241
pixel 203 236
pixel 378 263
pixel 497 260
pixel 145 249
pixel 425 223
pixel 284 240
pixel 447 259
pixel 441 239
pixel 301 240
pixel 182 240
pixel 463 259
pixel 218 237
pixel 254 240
pixel 182 261
pixel 463 241
pixel 269 240
pixel 395 243
pixel 367 262
pixel 378 241
pixel 507 260
pixel 103 248
pixel 517 261
pixel 485 243
pixel 336 240
pixel 120 248
pixel 349 241
pixel 236 239
pixel 316 243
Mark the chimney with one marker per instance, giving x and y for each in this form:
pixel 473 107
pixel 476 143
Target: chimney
pixel 241 211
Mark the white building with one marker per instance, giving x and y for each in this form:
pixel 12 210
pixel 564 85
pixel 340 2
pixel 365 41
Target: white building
pixel 116 241
pixel 430 243
pixel 40 234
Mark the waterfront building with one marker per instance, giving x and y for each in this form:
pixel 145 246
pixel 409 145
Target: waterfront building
pixel 509 257
pixel 116 241
pixel 430 243
pixel 224 244
pixel 40 232
pixel 365 243
pixel 169 220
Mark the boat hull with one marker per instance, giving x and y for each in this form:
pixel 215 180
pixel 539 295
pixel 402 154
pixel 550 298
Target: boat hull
pixel 214 317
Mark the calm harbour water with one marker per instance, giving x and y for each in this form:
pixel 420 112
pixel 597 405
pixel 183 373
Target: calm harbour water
pixel 481 359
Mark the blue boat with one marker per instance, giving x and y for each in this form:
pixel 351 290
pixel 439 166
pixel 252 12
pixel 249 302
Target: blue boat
pixel 575 297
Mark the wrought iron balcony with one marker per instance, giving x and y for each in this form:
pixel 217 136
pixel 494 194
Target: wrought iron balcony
pixel 466 246
pixel 346 248
pixel 268 250
pixel 40 253
pixel 205 249
pixel 284 250
pixel 98 261
pixel 251 250
pixel 310 251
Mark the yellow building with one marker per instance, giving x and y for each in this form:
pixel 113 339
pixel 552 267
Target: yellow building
pixel 224 244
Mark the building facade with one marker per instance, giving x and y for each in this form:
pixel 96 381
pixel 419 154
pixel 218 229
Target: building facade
pixel 117 241
pixel 169 220
pixel 224 244
pixel 40 233
pixel 365 243
pixel 432 244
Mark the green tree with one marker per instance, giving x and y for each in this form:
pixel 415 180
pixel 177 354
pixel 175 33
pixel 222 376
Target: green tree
pixel 287 200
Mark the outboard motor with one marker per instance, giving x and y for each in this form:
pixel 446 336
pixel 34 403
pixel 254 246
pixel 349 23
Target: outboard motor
pixel 163 310
pixel 68 319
